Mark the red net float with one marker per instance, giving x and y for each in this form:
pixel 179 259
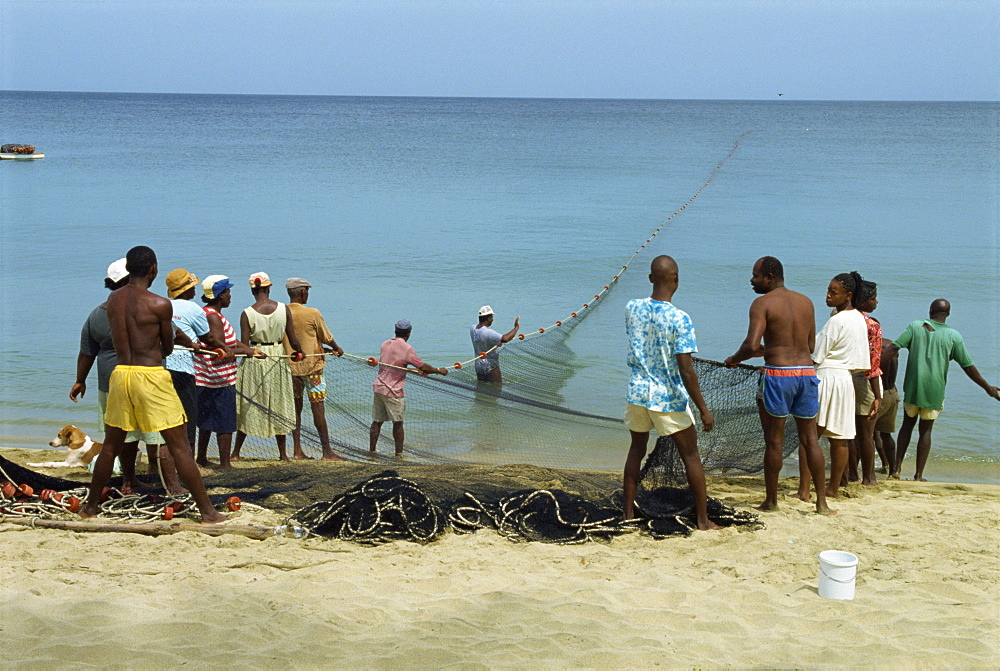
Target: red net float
pixel 73 504
pixel 233 503
pixel 168 513
pixel 596 296
pixel 558 323
pixel 8 489
pixel 606 287
pixel 372 361
pixel 218 354
pixel 57 497
pixel 573 314
pixel 458 365
pixel 586 305
pixel 46 494
pixel 616 277
pixel 520 336
pixel 298 356
pixel 25 490
pixel 482 355
pixel 541 330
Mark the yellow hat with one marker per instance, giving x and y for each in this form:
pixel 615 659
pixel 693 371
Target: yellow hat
pixel 260 280
pixel 179 281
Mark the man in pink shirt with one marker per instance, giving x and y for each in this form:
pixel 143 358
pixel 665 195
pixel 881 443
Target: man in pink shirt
pixel 389 404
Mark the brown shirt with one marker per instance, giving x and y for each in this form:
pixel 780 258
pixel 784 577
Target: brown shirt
pixel 312 333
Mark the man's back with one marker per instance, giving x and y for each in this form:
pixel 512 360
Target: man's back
pixel 932 346
pixel 790 327
pixel 139 319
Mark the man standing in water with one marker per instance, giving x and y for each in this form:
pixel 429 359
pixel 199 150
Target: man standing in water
pixel 785 321
pixel 487 341
pixel 662 385
pixel 141 393
pixel 933 344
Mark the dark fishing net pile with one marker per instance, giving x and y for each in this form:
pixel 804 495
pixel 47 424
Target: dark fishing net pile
pixel 387 507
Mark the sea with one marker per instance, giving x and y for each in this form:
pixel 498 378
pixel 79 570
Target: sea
pixel 428 208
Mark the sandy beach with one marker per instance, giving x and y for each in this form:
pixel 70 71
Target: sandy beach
pixel 927 588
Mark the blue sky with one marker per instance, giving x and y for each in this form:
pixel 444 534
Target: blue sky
pixel 717 49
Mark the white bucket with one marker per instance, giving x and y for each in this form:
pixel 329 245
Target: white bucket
pixel 836 574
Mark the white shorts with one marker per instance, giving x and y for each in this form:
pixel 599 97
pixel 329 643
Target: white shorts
pixel 643 420
pixel 836 403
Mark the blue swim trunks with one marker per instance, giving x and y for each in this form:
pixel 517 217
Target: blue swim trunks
pixel 790 390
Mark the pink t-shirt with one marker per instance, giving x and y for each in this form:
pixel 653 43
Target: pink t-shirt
pixel 395 352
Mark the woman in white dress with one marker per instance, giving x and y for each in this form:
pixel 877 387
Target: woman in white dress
pixel 841 350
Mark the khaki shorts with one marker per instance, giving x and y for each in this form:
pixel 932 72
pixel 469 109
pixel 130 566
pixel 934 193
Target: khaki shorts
pixel 643 420
pixel 863 394
pixel 386 409
pixel 924 413
pixel 143 398
pixel 885 422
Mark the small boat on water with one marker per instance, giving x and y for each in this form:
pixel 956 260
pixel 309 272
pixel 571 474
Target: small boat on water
pixel 17 152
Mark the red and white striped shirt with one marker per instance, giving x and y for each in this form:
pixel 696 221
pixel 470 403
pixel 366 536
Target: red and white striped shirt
pixel 209 372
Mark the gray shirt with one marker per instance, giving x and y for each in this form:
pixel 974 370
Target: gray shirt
pixel 95 340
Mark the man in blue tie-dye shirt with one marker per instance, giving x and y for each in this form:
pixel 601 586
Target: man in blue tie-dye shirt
pixel 663 382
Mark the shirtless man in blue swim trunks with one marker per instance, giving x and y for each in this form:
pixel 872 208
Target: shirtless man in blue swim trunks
pixel 785 321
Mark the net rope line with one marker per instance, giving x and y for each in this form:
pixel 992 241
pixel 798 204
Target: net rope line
pixel 578 315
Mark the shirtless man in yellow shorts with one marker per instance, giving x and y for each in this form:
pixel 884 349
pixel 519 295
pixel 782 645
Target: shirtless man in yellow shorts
pixel 141 393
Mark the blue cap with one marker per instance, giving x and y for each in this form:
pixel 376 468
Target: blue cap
pixel 403 325
pixel 213 285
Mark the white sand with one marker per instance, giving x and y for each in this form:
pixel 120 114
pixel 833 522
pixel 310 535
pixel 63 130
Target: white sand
pixel 927 595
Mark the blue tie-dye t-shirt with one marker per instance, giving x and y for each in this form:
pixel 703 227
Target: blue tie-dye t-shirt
pixel 657 332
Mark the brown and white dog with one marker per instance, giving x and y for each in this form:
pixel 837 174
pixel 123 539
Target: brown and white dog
pixel 81 450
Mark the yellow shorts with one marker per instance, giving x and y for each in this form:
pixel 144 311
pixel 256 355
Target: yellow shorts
pixel 143 398
pixel 642 420
pixel 924 413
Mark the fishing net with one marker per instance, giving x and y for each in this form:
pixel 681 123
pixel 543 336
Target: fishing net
pixel 533 417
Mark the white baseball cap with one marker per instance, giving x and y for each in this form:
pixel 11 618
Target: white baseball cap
pixel 117 271
pixel 485 311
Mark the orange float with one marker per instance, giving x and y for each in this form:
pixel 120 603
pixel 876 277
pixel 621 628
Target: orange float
pixel 26 490
pixel 372 361
pixel 458 365
pixel 233 503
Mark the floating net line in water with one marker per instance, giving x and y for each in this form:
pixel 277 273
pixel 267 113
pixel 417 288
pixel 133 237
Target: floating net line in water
pixel 529 419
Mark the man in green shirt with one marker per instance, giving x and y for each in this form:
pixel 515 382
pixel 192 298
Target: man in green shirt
pixel 932 345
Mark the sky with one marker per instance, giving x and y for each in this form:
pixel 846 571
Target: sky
pixel 666 49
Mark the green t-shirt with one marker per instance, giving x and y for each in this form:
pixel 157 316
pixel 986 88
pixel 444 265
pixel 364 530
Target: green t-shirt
pixel 930 352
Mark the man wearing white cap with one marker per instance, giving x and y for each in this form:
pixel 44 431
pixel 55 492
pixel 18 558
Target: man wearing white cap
pixel 389 403
pixel 485 339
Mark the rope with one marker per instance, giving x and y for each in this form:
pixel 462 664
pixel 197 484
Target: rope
pixel 578 315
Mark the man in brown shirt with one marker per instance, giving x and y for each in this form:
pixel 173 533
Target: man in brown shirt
pixel 313 335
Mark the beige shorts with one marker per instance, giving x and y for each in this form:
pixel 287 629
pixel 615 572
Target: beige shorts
pixel 863 394
pixel 885 422
pixel 924 413
pixel 386 409
pixel 642 420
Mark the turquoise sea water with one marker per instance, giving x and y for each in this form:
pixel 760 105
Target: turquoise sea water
pixel 429 208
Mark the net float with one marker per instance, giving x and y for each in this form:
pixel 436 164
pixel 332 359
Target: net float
pixel 233 503
pixel 458 365
pixel 372 361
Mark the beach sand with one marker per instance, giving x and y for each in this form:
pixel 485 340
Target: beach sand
pixel 927 588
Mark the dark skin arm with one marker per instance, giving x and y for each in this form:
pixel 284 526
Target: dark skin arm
pixel 888 351
pixel 431 370
pixel 215 331
pixel 690 378
pixel 84 362
pixel 509 335
pixel 752 346
pixel 975 376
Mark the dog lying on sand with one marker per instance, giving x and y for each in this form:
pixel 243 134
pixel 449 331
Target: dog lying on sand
pixel 81 450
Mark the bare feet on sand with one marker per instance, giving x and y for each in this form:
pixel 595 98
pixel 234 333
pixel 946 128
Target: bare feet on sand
pixel 333 457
